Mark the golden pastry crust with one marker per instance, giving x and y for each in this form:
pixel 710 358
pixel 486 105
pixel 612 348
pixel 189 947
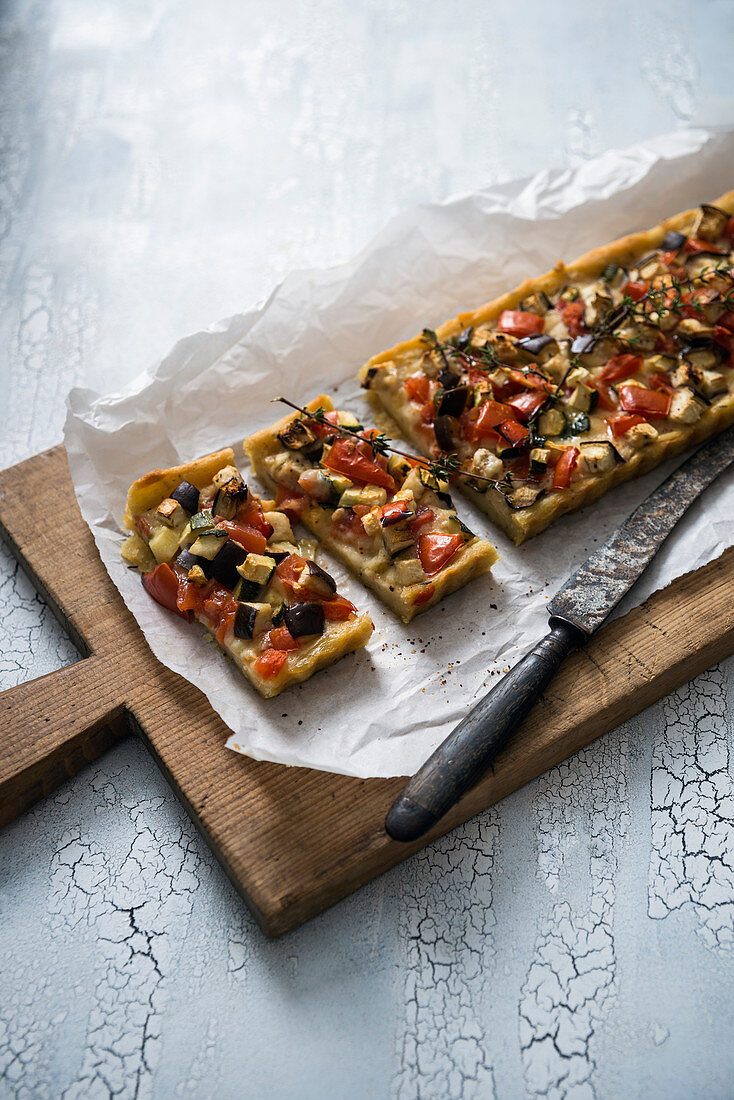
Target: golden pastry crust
pixel 338 638
pixel 472 560
pixel 401 360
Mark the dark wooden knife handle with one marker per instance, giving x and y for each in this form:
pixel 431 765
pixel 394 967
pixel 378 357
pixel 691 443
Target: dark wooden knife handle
pixel 468 751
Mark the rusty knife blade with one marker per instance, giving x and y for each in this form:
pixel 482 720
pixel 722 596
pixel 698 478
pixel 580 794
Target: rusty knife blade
pixel 595 589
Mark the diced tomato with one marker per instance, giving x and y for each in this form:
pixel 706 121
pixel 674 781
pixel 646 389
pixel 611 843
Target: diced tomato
pixel 282 639
pixel 635 399
pixel 727 321
pixel 394 511
pixel 291 502
pixel 289 569
pixel 675 268
pixel 428 412
pixel 665 344
pixel 607 396
pixel 572 315
pixel 695 244
pixel 513 432
pixel 338 610
pixel 426 593
pixel 620 366
pixel 418 388
pixel 226 620
pixel 253 516
pixel 621 424
pixel 322 428
pixel 249 539
pixel 345 458
pixel 515 322
pixel 435 551
pixel 492 413
pixel 162 583
pixel 661 381
pixel 565 467
pixel 143 526
pixel 530 380
pixel 635 291
pixel 269 663
pixel 348 523
pixel 217 603
pixel 527 404
pixel 423 517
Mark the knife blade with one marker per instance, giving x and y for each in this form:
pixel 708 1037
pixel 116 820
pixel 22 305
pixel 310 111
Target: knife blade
pixel 577 610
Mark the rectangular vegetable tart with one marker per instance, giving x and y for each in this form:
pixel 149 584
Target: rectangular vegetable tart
pixel 210 550
pixel 580 379
pixel 388 517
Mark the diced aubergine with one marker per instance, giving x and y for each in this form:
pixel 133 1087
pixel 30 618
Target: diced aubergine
pixel 224 566
pixel 710 223
pixel 251 619
pixel 317 580
pixel 673 241
pixel 187 496
pixel 186 560
pixel 305 618
pixel 524 496
pixel 540 345
pixel 299 437
pixel 279 615
pixel 463 340
pixel 538 303
pixel 445 428
pixel 453 401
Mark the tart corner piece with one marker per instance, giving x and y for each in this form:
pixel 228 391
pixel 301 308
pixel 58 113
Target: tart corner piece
pixel 578 380
pixel 386 519
pixel 210 550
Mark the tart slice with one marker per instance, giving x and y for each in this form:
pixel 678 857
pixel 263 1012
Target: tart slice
pixel 389 520
pixel 211 550
pixel 580 379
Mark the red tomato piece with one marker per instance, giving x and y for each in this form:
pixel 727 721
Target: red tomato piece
pixel 725 337
pixel 428 412
pixel 492 413
pixel 143 526
pixel 635 291
pixel 290 569
pixel 345 458
pixel 338 610
pixel 572 315
pixel 661 381
pixel 529 380
pixel 226 620
pixel 634 399
pixel 607 396
pixel 249 539
pixel 162 583
pixel 423 517
pixel 282 639
pixel 727 321
pixel 565 467
pixel 695 244
pixel 291 502
pixel 515 322
pixel 253 517
pixel 513 432
pixel 418 388
pixel 426 593
pixel 619 367
pixel 269 663
pixel 621 424
pixel 527 404
pixel 435 551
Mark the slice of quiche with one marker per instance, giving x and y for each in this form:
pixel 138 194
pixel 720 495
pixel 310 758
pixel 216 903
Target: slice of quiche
pixel 210 550
pixel 580 379
pixel 388 519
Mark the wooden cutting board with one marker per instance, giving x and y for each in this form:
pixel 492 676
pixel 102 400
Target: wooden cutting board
pixel 292 841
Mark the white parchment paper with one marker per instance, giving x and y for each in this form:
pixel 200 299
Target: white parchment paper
pixel 382 711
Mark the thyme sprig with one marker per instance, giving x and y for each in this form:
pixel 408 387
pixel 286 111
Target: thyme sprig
pixel 442 469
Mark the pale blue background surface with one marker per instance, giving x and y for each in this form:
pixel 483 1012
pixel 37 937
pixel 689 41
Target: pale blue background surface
pixel 162 164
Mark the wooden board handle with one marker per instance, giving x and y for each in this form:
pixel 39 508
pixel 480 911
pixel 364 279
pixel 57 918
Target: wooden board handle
pixel 52 727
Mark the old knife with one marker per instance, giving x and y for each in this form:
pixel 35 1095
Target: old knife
pixel 576 611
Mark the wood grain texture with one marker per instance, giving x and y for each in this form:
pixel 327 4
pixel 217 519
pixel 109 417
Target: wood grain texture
pixel 293 841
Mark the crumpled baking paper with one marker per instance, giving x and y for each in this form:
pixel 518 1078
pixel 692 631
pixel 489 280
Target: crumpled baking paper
pixel 382 711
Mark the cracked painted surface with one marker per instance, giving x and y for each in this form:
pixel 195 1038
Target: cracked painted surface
pixel 157 172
